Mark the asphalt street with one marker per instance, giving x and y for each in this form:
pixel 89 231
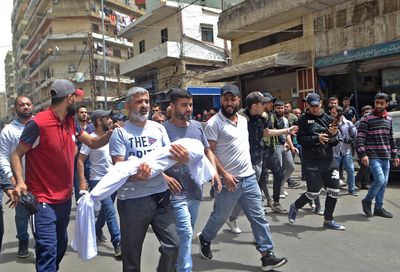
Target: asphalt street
pixel 368 244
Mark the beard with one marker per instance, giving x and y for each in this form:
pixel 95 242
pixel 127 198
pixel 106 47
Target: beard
pixel 229 114
pixel 379 110
pixel 181 116
pixel 140 116
pixel 71 110
pixel 24 115
pixel 105 127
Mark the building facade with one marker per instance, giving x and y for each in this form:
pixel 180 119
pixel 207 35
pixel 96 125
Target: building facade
pixel 172 48
pixel 63 39
pixel 11 93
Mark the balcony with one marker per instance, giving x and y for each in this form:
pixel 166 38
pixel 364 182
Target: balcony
pixel 163 55
pixel 125 6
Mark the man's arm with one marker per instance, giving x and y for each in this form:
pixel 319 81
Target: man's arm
pixel 94 142
pixel 211 156
pixel 16 164
pixel 80 166
pixel 5 154
pixel 361 135
pixel 277 132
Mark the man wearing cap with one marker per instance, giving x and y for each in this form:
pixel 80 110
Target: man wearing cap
pixel 48 143
pixel 255 104
pixel 318 134
pixel 143 201
pixel 227 134
pixel 100 162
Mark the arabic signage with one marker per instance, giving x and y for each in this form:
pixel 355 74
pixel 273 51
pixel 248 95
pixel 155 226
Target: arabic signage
pixel 374 51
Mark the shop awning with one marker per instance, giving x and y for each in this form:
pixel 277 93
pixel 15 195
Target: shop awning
pixel 297 59
pixel 204 90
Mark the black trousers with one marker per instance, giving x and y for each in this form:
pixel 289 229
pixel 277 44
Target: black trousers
pixel 320 175
pixel 1 226
pixel 363 174
pixel 271 162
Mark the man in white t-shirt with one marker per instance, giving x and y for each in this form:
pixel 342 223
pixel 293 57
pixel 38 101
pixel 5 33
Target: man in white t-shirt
pixel 228 137
pixel 144 201
pixel 100 162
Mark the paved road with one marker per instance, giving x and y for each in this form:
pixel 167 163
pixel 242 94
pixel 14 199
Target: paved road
pixel 368 244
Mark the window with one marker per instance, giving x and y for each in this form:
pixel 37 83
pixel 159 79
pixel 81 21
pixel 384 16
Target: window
pixel 207 33
pixel 286 35
pixel 164 35
pixel 95 28
pixel 142 46
pixel 116 53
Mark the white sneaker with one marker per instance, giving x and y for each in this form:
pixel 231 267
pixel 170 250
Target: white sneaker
pixel 342 183
pixel 282 196
pixel 233 226
pixel 285 193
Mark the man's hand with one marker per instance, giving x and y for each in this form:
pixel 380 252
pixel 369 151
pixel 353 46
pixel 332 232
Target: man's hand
pixel 83 185
pixel 20 189
pixel 365 160
pixel 230 182
pixel 111 128
pixel 293 130
pixel 216 180
pixel 323 138
pixel 396 162
pixel 11 198
pixel 179 153
pixel 143 173
pixel 173 184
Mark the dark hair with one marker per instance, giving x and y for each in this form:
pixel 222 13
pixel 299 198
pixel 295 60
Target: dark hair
pixel 80 107
pixel 288 102
pixel 346 98
pixel 155 105
pixel 178 93
pixel 333 98
pixel 339 109
pixel 382 96
pixel 365 108
pixel 279 103
pixel 19 97
pixel 56 101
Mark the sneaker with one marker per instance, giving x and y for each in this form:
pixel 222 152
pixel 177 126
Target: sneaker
pixel 342 183
pixel 292 213
pixel 285 193
pixel 333 225
pixel 319 211
pixel 366 206
pixel 101 238
pixel 364 187
pixel 382 212
pixel 117 250
pixel 282 196
pixel 277 208
pixel 269 204
pixel 271 262
pixel 312 204
pixel 295 185
pixel 354 193
pixel 23 249
pixel 233 226
pixel 205 247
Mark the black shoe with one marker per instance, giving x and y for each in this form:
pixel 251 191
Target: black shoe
pixel 382 212
pixel 364 187
pixel 294 184
pixel 270 262
pixel 23 249
pixel 366 206
pixel 205 247
pixel 318 210
pixel 117 250
pixel 101 238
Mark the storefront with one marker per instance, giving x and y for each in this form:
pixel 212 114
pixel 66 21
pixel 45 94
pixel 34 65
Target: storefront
pixel 205 98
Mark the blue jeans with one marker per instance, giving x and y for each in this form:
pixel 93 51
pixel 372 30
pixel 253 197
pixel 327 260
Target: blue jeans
pixel 248 195
pixel 380 171
pixel 348 165
pixel 50 232
pixel 186 211
pixel 21 222
pixel 107 214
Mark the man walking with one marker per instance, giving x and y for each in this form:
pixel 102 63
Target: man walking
pixel 100 162
pixel 142 202
pixel 228 136
pixel 9 139
pixel 50 137
pixel 318 134
pixel 375 148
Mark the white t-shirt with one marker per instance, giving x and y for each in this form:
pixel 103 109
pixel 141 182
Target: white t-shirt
pixel 233 148
pixel 132 140
pixel 100 159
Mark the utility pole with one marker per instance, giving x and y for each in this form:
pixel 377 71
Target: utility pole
pixel 93 90
pixel 104 55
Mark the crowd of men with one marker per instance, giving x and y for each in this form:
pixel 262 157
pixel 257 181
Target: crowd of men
pixel 43 157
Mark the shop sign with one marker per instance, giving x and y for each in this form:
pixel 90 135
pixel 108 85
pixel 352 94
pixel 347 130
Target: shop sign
pixel 391 77
pixel 374 51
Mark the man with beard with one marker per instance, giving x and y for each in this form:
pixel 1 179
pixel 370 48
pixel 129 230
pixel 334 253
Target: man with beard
pixel 228 136
pixel 48 143
pixel 186 193
pixel 375 148
pixel 144 201
pixel 9 139
pixel 100 162
pixel 318 134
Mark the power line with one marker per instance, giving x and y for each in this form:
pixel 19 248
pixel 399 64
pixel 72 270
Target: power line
pixel 80 60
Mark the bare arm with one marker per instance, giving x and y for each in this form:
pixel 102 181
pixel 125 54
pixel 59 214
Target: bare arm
pixel 80 165
pixel 210 155
pixel 94 142
pixel 276 132
pixel 16 164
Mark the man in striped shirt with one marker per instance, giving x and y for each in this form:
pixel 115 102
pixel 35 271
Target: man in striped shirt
pixel 375 147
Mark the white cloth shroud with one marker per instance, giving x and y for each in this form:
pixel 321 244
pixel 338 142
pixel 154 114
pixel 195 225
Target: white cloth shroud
pixel 159 160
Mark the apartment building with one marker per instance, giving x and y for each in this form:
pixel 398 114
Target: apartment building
pixel 11 93
pixel 63 39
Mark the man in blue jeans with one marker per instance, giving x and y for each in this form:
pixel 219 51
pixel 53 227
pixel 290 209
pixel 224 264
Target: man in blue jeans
pixel 186 193
pixel 375 148
pixel 100 162
pixel 228 137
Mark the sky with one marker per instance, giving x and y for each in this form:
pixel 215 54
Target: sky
pixel 6 36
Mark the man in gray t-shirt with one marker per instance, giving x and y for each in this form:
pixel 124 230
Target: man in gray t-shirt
pixel 186 193
pixel 142 201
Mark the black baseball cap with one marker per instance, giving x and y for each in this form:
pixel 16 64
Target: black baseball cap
pixel 230 88
pixel 255 97
pixel 100 113
pixel 269 96
pixel 312 99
